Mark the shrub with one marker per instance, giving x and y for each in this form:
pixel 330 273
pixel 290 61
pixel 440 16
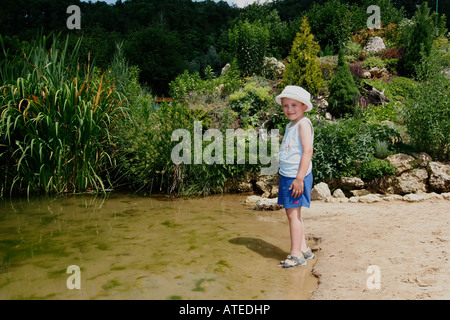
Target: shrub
pixel 249 42
pixel 339 147
pixel 250 102
pixel 418 38
pixel 303 67
pixel 427 111
pixel 352 49
pixel 343 91
pixel 373 62
pixel 372 168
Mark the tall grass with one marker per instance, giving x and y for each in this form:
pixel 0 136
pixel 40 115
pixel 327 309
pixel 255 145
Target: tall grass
pixel 56 115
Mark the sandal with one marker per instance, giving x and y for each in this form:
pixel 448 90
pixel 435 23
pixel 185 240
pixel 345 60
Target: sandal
pixel 294 262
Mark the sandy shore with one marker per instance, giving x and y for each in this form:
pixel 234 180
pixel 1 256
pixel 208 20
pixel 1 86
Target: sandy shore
pixel 404 246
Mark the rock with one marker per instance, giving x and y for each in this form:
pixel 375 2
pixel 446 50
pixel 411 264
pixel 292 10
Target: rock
pixel 265 204
pixel 225 69
pixel 446 195
pixel 321 103
pixel 439 176
pixel 370 198
pixel 379 72
pixel 350 183
pixel 359 193
pixel 384 185
pixel 328 116
pixel 401 161
pixel 412 181
pixel 366 75
pixel 320 191
pixel 338 193
pixel 392 197
pixel 252 199
pixel 273 66
pixel 337 200
pixel 422 158
pixel 274 192
pixel 414 197
pixel 268 185
pixel 374 44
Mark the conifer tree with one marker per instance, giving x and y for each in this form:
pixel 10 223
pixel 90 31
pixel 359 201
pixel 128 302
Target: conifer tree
pixel 303 65
pixel 343 91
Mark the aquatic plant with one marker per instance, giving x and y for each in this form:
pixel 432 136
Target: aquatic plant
pixel 55 120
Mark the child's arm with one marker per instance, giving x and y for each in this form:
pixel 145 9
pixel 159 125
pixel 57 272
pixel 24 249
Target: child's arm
pixel 307 145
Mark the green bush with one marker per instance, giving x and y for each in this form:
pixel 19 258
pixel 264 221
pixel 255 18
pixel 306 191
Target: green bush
pixel 249 42
pixel 427 111
pixel 303 67
pixel 372 168
pixel 339 147
pixel 250 102
pixel 373 62
pixel 418 38
pixel 343 91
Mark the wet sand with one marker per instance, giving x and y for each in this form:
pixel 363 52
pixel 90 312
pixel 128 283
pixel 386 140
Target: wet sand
pixel 407 242
pixel 130 247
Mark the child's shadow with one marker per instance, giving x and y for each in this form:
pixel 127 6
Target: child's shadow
pixel 261 247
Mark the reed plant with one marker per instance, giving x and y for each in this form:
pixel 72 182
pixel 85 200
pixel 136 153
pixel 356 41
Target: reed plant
pixel 56 116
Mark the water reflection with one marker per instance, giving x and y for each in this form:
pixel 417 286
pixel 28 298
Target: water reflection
pixel 131 247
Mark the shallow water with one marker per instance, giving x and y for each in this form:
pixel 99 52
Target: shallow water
pixel 132 247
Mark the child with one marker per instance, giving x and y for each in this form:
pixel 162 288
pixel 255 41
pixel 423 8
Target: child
pixel 296 170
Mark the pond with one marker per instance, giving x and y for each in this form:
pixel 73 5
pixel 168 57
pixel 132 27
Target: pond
pixel 132 247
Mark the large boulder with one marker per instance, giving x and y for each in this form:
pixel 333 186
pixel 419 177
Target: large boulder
pixel 374 44
pixel 439 176
pixel 265 204
pixel 268 185
pixel 402 162
pixel 350 183
pixel 422 158
pixel 413 181
pixel 320 191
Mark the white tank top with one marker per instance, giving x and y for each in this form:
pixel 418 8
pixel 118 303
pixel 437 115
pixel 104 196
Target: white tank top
pixel 291 150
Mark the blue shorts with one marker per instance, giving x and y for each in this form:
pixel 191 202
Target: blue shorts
pixel 285 197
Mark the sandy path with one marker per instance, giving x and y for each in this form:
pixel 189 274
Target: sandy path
pixel 408 242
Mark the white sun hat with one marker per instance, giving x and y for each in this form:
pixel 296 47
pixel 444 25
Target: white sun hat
pixel 296 93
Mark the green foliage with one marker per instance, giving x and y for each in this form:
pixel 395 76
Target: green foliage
pixel 189 87
pixel 398 89
pixel 56 121
pixel 427 111
pixel 343 91
pixel 372 168
pixel 251 102
pixel 352 49
pixel 249 42
pixel 373 62
pixel 339 147
pixel 159 55
pixel 303 67
pixel 418 38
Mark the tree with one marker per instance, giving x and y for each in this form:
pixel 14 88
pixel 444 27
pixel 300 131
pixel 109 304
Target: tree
pixel 249 42
pixel 418 38
pixel 343 91
pixel 303 66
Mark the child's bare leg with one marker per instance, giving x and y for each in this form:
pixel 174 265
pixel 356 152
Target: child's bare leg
pixel 297 231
